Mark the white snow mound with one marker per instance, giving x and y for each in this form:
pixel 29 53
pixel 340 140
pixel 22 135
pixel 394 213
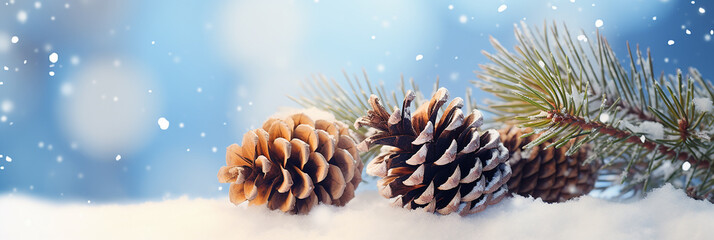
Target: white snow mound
pixel 665 214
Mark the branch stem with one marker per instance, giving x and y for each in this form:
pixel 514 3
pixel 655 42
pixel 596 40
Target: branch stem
pixel 558 117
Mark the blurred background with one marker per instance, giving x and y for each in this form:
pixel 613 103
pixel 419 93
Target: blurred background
pixel 127 100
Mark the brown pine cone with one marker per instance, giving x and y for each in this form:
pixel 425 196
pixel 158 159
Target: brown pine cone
pixel 443 166
pixel 292 164
pixel 547 173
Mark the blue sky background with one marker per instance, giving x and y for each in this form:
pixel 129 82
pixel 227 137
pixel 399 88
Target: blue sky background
pixel 215 69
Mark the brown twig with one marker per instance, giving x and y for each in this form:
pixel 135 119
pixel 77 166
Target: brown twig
pixel 558 117
pixel 683 125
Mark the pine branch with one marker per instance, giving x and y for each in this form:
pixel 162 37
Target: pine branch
pixel 563 86
pixel 579 122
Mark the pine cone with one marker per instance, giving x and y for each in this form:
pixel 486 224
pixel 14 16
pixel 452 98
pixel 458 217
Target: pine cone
pixel 292 164
pixel 444 167
pixel 547 173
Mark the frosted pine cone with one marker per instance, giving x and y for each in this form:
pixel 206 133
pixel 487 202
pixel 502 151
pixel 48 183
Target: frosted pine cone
pixel 547 173
pixel 292 164
pixel 443 166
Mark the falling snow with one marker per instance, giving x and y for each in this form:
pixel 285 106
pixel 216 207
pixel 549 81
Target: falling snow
pixel 22 16
pixel 163 123
pixel 21 38
pixel 380 68
pixel 463 19
pixel 53 57
pixel 604 117
pixel 66 89
pixel 7 106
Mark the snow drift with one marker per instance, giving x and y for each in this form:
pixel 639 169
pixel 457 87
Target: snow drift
pixel 665 214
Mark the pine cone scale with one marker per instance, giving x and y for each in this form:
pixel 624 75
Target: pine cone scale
pixel 477 190
pixel 344 161
pixel 335 182
pixel 264 192
pixel 250 140
pixel 317 166
pixel 236 193
pixel 547 169
pixel 302 185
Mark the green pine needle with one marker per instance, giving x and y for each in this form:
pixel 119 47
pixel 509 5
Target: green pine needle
pixel 552 72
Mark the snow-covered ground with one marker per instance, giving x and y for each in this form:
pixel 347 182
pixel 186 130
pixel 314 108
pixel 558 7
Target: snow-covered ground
pixel 665 214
